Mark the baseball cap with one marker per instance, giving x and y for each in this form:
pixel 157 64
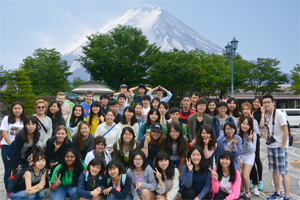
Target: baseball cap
pixel 123 85
pixel 157 127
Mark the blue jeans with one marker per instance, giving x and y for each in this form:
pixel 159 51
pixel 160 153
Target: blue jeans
pixel 176 163
pixel 22 195
pixel 64 191
pixel 114 198
pixel 7 169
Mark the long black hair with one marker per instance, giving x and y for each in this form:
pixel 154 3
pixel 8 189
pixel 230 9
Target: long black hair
pixel 226 154
pixel 179 140
pixel 81 118
pixel 78 168
pixel 250 122
pixel 231 125
pixel 203 164
pixel 58 114
pixel 207 111
pixel 210 131
pixel 36 134
pixel 96 104
pixel 167 115
pixel 162 155
pixel 130 130
pixel 11 115
pixel 133 118
pixel 236 110
pixel 152 110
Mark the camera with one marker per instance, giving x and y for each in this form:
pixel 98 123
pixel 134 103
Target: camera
pixel 270 140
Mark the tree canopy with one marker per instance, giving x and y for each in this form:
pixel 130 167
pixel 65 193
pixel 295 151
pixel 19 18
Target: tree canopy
pixel 295 86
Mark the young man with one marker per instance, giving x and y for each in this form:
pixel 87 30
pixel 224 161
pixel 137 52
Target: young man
pixel 174 114
pixel 121 99
pixel 185 112
pixel 66 105
pixel 88 99
pixel 114 106
pixel 141 89
pixel 159 93
pixel 195 97
pixel 128 96
pixel 104 102
pixel 219 120
pixel 146 103
pixel 278 148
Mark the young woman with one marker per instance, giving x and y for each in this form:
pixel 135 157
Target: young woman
pixel 151 143
pixel 129 120
pixel 195 179
pixel 175 143
pixel 143 182
pixel 247 110
pixel 139 115
pixel 45 124
pixel 32 183
pixel 99 151
pixel 153 116
pixel 167 177
pixel 65 176
pixel 196 120
pixel 226 180
pixel 109 130
pixel 247 155
pixel 57 145
pixel 233 108
pixel 115 184
pixel 20 151
pixel 206 139
pixel 73 121
pixel 211 109
pixel 89 181
pixel 124 147
pixel 259 114
pixel 55 114
pixel 83 140
pixel 10 126
pixel 155 102
pixel 95 117
pixel 231 142
pixel 164 112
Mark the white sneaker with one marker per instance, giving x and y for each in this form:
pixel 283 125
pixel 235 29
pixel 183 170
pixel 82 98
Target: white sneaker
pixel 255 191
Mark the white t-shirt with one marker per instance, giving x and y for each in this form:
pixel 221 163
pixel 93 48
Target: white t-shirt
pixel 280 120
pixel 12 129
pixel 225 185
pixel 111 137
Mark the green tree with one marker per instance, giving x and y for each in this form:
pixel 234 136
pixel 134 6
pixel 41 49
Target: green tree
pixel 295 86
pixel 47 71
pixel 3 76
pixel 77 81
pixel 264 77
pixel 19 89
pixel 123 55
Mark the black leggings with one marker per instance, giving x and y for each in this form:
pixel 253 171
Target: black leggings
pixel 253 174
pixel 220 195
pixel 189 193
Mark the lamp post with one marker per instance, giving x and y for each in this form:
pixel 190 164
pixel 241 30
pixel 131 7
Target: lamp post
pixel 230 50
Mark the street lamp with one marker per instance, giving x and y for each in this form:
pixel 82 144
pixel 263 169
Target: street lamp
pixel 230 50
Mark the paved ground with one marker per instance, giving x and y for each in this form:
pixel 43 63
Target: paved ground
pixel 294 171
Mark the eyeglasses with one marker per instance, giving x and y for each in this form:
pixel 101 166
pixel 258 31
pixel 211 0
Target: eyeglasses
pixel 138 159
pixel 267 102
pixel 174 132
pixel 41 107
pixel 229 129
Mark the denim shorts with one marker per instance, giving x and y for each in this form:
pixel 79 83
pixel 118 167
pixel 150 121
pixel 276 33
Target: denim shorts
pixel 278 160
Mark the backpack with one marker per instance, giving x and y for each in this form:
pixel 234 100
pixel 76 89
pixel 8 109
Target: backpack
pixel 123 178
pixel 13 179
pixel 291 138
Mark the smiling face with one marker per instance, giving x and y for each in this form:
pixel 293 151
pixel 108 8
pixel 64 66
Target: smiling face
pixel 155 103
pixel 70 158
pixel 109 117
pixel 138 109
pixel 141 91
pixel 229 131
pixel 174 134
pixel 95 109
pixel 205 135
pixel 268 104
pixel 30 127
pixel 60 135
pixel 128 114
pixel 114 108
pixel 99 147
pixel 196 157
pixel 104 101
pixel 194 99
pixel 163 164
pixel 256 104
pixel 40 108
pixel 175 116
pixel 186 101
pixel 245 126
pixel 201 108
pixel 78 111
pixel 138 161
pixel 40 164
pixel 162 109
pixel 84 130
pixel 88 98
pixel 159 94
pixel 113 171
pixel 211 106
pixel 54 108
pixel 17 110
pixel 153 117
pixel 121 101
pixel 222 110
pixel 145 103
pixel 225 162
pixel 95 170
pixel 231 105
pixel 127 137
pixel 61 99
pixel 246 111
pixel 155 134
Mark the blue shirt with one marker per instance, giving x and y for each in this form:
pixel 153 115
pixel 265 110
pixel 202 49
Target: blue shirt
pixel 86 109
pixel 165 99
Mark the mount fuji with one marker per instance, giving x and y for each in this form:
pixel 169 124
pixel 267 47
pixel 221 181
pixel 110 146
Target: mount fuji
pixel 159 26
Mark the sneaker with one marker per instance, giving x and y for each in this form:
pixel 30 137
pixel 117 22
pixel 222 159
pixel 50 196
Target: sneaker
pixel 247 196
pixel 242 195
pixel 276 196
pixel 286 198
pixel 255 191
pixel 260 186
pixel 8 196
pixel 251 185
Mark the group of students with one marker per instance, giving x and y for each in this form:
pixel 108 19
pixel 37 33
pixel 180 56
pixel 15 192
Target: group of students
pixel 157 152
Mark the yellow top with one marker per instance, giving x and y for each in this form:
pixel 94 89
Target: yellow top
pixel 95 123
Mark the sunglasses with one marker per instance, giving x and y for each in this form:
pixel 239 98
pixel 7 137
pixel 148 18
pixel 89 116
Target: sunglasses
pixel 42 107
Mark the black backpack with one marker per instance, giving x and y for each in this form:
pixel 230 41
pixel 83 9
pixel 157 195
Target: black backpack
pixel 14 178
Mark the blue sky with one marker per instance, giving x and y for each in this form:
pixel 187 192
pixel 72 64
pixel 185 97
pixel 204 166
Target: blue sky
pixel 267 29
